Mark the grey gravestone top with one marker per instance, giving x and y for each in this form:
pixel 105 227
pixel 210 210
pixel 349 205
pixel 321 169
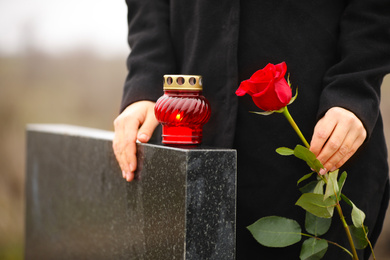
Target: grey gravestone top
pixel 181 206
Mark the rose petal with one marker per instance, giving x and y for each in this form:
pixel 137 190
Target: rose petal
pixel 244 88
pixel 268 101
pixel 240 92
pixel 263 74
pixel 263 88
pixel 281 69
pixel 283 91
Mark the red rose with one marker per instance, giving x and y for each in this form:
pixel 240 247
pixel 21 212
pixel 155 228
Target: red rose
pixel 268 87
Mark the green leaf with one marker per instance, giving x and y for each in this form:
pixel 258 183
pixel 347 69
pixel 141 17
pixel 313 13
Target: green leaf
pixel 332 187
pixel 285 151
pixel 348 201
pixel 358 216
pixel 313 249
pixel 341 181
pixel 274 231
pixel 319 188
pixel 358 236
pixel 309 188
pixel 316 205
pixel 316 187
pixel 305 154
pixel 317 226
pixel 305 177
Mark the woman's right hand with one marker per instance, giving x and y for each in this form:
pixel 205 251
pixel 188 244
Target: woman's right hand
pixel 137 121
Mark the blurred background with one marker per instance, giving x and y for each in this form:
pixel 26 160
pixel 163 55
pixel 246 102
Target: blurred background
pixel 64 62
pixel 60 62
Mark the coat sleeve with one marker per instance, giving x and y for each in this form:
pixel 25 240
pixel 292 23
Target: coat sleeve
pixel 151 53
pixel 364 48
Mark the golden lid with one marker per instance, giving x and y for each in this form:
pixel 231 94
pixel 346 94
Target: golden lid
pixel 182 82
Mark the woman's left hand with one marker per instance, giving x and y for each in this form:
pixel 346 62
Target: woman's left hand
pixel 337 136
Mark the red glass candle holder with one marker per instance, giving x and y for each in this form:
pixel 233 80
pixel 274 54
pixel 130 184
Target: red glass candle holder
pixel 182 110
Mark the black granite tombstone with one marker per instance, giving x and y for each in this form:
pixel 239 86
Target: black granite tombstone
pixel 181 206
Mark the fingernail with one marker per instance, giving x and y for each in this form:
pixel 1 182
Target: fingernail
pixel 129 177
pixel 323 171
pixel 123 174
pixel 131 167
pixel 333 169
pixel 143 137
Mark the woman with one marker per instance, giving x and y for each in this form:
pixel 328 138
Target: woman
pixel 337 53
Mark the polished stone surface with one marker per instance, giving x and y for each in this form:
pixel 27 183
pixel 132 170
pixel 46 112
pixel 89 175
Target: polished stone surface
pixel 181 206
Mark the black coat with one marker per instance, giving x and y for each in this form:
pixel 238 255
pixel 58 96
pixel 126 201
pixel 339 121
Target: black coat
pixel 337 53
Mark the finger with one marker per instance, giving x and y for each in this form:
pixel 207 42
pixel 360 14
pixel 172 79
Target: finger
pixel 118 145
pixel 130 147
pixel 338 145
pixel 129 176
pixel 124 144
pixel 146 130
pixel 358 141
pixel 344 159
pixel 322 131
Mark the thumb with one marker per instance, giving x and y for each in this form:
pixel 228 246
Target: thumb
pixel 146 130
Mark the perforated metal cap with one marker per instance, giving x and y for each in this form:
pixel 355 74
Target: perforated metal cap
pixel 183 82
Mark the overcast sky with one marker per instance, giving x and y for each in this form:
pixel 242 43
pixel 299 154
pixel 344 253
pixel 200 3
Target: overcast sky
pixel 57 25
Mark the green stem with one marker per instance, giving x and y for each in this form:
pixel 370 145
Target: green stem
pixel 346 228
pixel 295 126
pixel 286 113
pixel 369 243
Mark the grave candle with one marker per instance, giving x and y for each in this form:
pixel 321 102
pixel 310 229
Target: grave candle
pixel 182 110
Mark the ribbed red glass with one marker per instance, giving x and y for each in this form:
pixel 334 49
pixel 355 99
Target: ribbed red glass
pixel 182 114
